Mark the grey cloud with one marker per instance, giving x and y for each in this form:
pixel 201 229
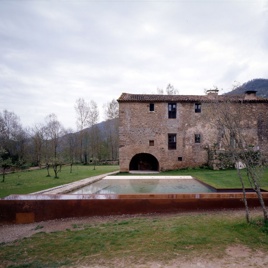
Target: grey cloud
pixel 52 52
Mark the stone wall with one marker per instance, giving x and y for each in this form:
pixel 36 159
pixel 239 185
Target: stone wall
pixel 138 126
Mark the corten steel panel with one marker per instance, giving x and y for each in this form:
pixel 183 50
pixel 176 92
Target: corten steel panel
pixel 25 217
pixel 24 211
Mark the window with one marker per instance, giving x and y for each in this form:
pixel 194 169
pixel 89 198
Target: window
pixel 180 158
pixel 197 138
pixel 172 143
pixel 197 107
pixel 151 142
pixel 151 107
pixel 172 110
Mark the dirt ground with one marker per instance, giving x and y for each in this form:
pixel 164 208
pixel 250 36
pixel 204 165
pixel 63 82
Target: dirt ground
pixel 234 256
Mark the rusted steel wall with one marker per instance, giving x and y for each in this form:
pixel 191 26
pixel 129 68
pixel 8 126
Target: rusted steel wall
pixel 26 211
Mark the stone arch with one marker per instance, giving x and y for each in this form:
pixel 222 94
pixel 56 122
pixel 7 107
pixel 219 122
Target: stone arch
pixel 144 161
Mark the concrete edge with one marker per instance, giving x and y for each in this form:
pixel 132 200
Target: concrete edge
pixel 66 188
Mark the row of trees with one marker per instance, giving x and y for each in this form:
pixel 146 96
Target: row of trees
pixel 49 144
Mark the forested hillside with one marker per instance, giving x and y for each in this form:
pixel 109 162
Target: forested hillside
pixel 260 85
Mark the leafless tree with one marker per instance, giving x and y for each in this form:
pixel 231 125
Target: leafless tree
pixel 70 146
pixel 82 117
pixel 38 143
pixel 9 125
pixel 170 90
pixel 12 135
pixel 112 132
pixel 94 131
pixel 22 145
pixel 54 130
pixel 5 162
pixel 241 150
pixel 111 110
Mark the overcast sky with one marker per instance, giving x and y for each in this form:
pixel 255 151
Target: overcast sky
pixel 53 52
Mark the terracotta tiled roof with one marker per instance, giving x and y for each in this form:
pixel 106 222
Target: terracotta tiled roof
pixel 127 97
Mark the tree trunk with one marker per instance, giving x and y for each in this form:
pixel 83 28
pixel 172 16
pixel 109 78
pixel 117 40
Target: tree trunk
pixel 264 209
pixel 94 163
pixel 71 168
pixel 85 158
pixel 47 167
pixel 257 189
pixel 3 180
pixel 55 168
pixel 244 195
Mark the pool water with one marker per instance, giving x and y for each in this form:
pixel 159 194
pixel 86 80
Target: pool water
pixel 134 186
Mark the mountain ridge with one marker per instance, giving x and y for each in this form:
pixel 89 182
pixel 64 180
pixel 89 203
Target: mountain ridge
pixel 259 84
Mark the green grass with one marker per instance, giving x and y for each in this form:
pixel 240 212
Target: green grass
pixel 140 239
pixel 36 180
pixel 216 178
pixel 219 178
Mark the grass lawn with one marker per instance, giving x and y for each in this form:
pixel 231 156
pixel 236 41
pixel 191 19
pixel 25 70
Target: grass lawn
pixel 216 178
pixel 219 178
pixel 36 180
pixel 134 240
pixel 157 239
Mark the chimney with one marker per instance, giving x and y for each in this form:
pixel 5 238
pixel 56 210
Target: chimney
pixel 212 93
pixel 250 95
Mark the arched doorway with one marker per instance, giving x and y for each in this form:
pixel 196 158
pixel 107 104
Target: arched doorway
pixel 144 161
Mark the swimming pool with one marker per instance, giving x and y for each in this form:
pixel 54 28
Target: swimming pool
pixel 145 184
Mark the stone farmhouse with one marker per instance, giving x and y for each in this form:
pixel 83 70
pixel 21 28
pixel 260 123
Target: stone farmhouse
pixel 166 132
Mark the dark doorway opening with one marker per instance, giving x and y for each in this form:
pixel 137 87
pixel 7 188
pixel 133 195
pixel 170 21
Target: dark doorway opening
pixel 144 161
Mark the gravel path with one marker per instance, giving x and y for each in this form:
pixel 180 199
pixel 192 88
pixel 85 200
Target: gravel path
pixel 10 233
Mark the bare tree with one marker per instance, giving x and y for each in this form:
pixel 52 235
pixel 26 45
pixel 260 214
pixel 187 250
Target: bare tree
pixel 54 131
pixel 93 114
pixel 111 110
pixel 5 162
pixel 9 125
pixel 12 135
pixel 240 149
pixel 112 131
pixel 94 131
pixel 21 146
pixel 82 112
pixel 38 143
pixel 82 117
pixel 70 145
pixel 170 90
